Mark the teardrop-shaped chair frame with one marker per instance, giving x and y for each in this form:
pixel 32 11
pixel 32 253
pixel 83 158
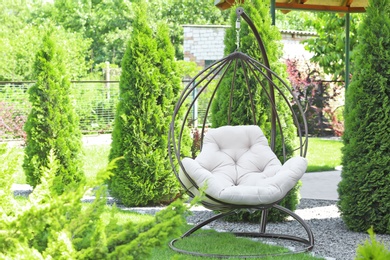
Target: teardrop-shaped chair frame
pixel 275 89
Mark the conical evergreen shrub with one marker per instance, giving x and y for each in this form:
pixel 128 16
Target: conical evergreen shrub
pixel 149 86
pixel 364 189
pixel 52 123
pixel 258 12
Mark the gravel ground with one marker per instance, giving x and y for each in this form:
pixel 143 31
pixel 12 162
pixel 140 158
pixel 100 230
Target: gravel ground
pixel 331 237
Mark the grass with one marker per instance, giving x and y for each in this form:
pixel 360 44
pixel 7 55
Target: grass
pixel 323 154
pixel 213 242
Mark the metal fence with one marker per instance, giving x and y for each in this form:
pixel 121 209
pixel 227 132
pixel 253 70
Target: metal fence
pixel 94 102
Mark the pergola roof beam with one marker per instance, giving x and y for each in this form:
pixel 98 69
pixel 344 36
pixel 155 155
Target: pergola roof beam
pixel 325 8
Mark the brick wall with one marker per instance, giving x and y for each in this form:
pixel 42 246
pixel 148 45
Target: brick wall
pixel 204 43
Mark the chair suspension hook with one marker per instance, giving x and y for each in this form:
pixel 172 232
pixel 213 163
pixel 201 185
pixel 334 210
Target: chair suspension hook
pixel 238 29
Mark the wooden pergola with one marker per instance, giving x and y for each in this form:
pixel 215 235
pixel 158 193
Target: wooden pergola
pixel 336 6
pixel 339 6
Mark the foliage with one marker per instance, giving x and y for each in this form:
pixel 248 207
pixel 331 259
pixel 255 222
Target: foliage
pixel 11 122
pixel 315 96
pixel 149 86
pixel 52 226
pixel 364 189
pixel 188 69
pixel 106 23
pixel 258 11
pixel 20 40
pixel 329 46
pixel 52 123
pixel 294 20
pixel 372 249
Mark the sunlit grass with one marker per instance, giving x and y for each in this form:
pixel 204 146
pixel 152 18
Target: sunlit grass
pixel 213 242
pixel 95 158
pixel 323 154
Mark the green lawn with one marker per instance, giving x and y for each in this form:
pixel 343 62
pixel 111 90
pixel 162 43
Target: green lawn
pixel 213 242
pixel 323 154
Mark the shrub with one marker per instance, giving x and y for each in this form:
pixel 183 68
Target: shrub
pixel 364 188
pixel 372 249
pixel 11 122
pixel 52 226
pixel 258 11
pixel 149 86
pixel 52 123
pixel 315 96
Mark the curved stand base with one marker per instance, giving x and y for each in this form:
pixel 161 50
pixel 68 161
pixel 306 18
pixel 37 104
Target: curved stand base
pixel 308 243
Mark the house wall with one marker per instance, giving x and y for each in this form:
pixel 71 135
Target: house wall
pixel 205 43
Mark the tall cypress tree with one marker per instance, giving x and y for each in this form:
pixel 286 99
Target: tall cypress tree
pixel 258 12
pixel 365 186
pixel 148 87
pixel 52 123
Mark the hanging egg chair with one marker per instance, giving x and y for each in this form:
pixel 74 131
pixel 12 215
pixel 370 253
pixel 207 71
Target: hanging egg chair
pixel 238 166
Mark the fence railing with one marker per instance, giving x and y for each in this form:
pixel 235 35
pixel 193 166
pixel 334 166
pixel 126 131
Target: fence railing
pixel 94 101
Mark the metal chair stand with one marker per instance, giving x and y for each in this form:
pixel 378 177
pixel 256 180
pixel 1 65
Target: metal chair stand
pixel 307 243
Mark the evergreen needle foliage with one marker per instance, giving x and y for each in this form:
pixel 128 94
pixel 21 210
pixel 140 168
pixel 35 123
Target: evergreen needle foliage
pixel 372 249
pixel 258 12
pixel 149 86
pixel 364 189
pixel 52 124
pixel 53 226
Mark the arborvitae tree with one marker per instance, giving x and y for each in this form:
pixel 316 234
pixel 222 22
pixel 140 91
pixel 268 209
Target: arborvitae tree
pixel 148 87
pixel 52 123
pixel 258 12
pixel 365 186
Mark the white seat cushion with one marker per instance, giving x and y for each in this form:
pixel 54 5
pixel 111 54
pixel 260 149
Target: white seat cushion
pixel 237 166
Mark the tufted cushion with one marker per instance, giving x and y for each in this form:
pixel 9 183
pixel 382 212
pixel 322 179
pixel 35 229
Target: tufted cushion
pixel 237 166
